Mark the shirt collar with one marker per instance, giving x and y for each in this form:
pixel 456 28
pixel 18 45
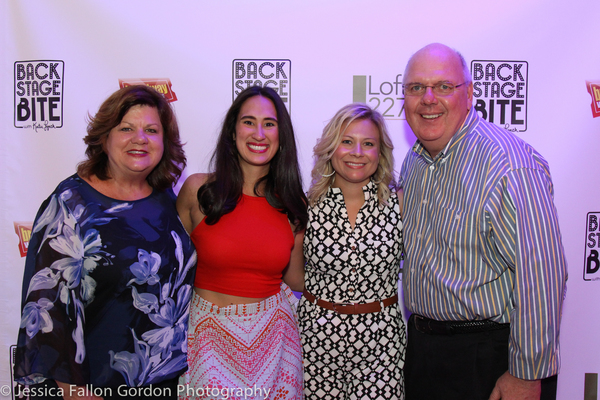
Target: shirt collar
pixel 369 190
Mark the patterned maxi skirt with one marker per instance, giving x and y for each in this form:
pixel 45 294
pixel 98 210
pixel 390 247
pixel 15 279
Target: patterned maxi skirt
pixel 244 351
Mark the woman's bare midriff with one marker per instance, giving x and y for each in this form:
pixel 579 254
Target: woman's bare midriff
pixel 224 300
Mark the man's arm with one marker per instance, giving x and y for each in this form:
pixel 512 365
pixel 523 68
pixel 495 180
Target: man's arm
pixel 510 388
pixel 527 235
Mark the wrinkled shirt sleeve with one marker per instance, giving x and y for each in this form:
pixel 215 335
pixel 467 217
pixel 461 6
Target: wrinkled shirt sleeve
pixel 527 235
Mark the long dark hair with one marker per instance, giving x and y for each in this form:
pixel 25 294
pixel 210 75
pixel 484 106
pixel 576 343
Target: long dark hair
pixel 110 114
pixel 283 185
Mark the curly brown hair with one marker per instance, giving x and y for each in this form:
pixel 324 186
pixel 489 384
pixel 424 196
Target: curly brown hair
pixel 110 114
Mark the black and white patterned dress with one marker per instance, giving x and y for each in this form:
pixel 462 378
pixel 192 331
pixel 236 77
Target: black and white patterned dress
pixel 356 356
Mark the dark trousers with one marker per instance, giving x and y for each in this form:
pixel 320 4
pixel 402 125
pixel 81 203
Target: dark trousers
pixel 462 366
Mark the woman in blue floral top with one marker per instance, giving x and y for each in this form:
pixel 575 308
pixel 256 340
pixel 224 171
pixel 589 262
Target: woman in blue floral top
pixel 109 270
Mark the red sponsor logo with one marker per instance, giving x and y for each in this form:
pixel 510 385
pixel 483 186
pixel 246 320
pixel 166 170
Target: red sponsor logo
pixel 23 230
pixel 162 85
pixel 593 89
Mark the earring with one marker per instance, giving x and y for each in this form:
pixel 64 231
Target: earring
pixel 331 174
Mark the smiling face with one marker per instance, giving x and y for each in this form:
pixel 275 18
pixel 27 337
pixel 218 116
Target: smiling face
pixel 356 158
pixel 257 132
pixel 435 119
pixel 135 146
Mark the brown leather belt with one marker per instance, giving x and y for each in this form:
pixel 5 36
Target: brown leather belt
pixel 351 308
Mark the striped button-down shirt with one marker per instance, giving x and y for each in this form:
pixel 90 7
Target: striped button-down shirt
pixel 482 240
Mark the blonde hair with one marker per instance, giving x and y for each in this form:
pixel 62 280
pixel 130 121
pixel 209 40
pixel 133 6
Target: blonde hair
pixel 322 175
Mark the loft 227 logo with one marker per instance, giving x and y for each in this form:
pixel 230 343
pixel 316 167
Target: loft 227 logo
pixel 591 269
pixel 384 96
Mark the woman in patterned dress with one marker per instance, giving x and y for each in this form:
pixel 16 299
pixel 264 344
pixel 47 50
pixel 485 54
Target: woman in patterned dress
pixel 247 220
pixel 351 327
pixel 109 269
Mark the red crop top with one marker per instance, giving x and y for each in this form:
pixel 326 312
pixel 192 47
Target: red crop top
pixel 245 253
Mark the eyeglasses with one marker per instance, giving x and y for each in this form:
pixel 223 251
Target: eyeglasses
pixel 439 89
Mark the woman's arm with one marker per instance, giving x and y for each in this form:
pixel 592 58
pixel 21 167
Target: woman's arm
pixel 53 319
pixel 188 207
pixel 400 193
pixel 293 275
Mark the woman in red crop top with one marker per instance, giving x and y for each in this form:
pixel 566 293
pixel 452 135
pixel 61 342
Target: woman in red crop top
pixel 247 221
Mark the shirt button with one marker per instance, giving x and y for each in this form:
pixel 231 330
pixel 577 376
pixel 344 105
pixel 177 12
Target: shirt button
pixel 353 247
pixel 350 290
pixel 353 270
pixel 431 167
pixel 425 201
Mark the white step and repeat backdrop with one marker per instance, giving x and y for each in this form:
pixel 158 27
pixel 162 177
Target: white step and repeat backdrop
pixel 536 68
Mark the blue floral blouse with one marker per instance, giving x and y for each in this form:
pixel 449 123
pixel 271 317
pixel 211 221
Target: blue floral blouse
pixel 106 290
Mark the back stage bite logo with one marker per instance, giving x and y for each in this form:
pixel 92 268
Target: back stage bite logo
pixel 276 74
pixel 39 94
pixel 591 258
pixel 500 92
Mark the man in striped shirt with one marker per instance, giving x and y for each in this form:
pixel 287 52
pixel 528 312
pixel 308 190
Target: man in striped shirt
pixel 484 270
